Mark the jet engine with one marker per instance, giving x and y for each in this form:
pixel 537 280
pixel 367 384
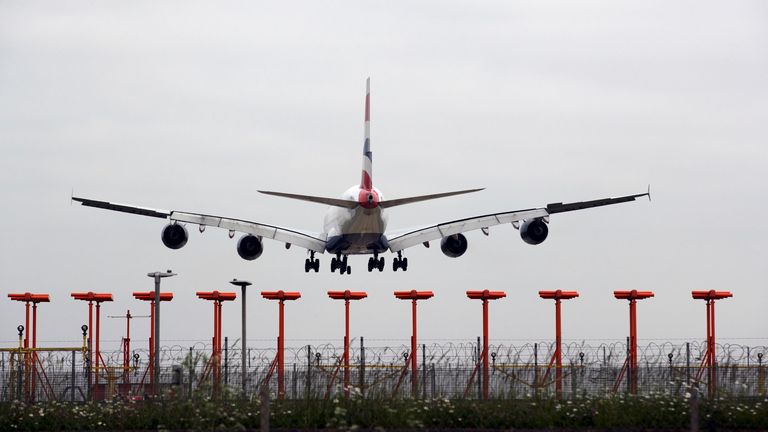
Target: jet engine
pixel 174 236
pixel 249 247
pixel 454 246
pixel 534 231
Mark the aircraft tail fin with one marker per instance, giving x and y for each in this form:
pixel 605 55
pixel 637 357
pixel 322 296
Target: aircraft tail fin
pixel 366 180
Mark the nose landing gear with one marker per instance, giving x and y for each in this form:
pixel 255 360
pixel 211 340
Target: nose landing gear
pixel 311 263
pixel 399 262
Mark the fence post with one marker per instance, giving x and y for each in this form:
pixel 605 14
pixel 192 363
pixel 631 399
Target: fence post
pixel 480 376
pixel 191 371
pixel 423 371
pixel 309 372
pixel 226 360
pixel 72 386
pixel 535 369
pixel 688 363
pixel 434 384
pixel 362 367
pixel 293 382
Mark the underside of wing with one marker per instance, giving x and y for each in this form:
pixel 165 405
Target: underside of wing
pixel 311 241
pixel 446 229
pixel 533 231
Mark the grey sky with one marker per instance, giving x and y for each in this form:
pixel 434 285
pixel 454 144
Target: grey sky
pixel 195 105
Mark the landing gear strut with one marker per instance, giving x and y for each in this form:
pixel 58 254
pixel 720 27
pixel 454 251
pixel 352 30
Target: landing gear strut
pixel 399 262
pixel 375 262
pixel 340 263
pixel 311 263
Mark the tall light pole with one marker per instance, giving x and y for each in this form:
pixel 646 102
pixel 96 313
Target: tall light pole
pixel 157 276
pixel 242 284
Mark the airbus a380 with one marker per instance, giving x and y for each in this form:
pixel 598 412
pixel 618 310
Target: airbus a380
pixel 356 223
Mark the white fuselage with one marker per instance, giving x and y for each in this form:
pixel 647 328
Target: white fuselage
pixel 358 227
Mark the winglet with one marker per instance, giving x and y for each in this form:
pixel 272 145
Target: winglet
pixel 649 192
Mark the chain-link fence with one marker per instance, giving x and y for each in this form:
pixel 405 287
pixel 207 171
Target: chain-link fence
pixel 450 370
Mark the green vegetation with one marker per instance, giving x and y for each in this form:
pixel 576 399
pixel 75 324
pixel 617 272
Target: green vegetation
pixel 640 412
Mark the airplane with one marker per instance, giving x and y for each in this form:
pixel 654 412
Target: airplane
pixel 356 223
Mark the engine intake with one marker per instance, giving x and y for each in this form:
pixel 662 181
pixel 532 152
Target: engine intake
pixel 249 247
pixel 454 246
pixel 534 231
pixel 174 236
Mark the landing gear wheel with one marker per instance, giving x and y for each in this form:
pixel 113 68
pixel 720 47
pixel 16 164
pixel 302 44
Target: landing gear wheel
pixel 370 264
pixel 380 264
pixel 306 265
pixel 334 264
pixel 404 264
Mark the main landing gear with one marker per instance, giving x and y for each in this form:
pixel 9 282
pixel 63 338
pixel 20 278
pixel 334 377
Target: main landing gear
pixel 340 263
pixel 399 262
pixel 311 263
pixel 375 262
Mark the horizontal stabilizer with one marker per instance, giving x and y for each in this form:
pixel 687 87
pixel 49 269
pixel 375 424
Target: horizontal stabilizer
pixel 409 200
pixel 315 199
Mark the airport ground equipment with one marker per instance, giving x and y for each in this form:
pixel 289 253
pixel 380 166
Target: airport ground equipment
pixel 414 296
pixel 346 296
pixel 483 295
pixel 630 364
pixel 125 345
pixel 243 369
pixel 279 360
pixel 94 347
pixel 157 276
pixel 30 357
pixel 214 363
pixel 709 361
pixel 557 357
pixel 150 297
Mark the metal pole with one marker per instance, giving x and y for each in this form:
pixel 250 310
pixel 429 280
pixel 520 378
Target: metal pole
pixel 191 371
pixel 226 360
pixel 423 371
pixel 536 369
pixel 72 386
pixel 156 337
pixel 558 353
pixel 34 353
pixel 280 346
pixel 309 371
pixel 362 367
pixel 90 344
pixel 98 337
pixel 244 371
pixel 346 347
pixel 414 365
pixel 485 349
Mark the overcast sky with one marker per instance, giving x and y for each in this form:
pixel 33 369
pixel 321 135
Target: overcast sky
pixel 195 105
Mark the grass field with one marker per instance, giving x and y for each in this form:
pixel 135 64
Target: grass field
pixel 621 412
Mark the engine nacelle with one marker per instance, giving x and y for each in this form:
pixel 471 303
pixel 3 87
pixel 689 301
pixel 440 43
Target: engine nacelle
pixel 534 231
pixel 454 246
pixel 174 236
pixel 249 247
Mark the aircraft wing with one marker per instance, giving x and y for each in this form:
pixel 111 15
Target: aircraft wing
pixel 313 242
pixel 438 231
